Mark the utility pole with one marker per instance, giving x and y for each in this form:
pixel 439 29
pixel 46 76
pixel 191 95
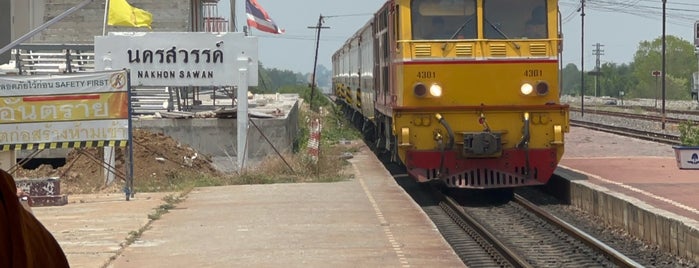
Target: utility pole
pixel 582 58
pixel 695 80
pixel 663 71
pixel 597 52
pixel 318 27
pixel 232 22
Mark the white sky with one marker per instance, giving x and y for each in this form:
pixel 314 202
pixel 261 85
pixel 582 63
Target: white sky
pixel 619 25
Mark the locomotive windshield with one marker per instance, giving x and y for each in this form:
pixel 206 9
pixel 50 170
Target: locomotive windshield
pixel 444 19
pixel 524 19
pixel 457 19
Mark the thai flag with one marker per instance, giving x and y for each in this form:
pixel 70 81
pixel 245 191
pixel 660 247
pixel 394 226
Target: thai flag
pixel 258 18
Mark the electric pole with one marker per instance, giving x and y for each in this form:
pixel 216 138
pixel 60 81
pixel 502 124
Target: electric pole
pixel 318 27
pixel 597 52
pixel 582 58
pixel 663 71
pixel 232 22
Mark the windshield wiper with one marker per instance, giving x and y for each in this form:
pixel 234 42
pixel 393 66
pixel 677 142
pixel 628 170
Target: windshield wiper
pixel 462 27
pixel 501 32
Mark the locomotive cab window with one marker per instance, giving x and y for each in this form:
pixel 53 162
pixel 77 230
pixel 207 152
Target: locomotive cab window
pixel 444 19
pixel 527 19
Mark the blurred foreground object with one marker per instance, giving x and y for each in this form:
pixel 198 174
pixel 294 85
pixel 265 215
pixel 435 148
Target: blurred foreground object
pixel 25 200
pixel 24 241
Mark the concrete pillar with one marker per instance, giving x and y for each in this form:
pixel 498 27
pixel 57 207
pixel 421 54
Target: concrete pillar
pixel 110 161
pixel 7 159
pixel 242 113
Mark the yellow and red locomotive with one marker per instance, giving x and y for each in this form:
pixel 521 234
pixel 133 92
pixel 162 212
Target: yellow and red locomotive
pixel 461 91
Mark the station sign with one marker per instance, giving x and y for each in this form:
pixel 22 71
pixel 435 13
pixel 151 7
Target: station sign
pixel 178 58
pixel 64 111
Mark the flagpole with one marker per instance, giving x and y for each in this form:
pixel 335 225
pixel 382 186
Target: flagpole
pixel 233 17
pixel 106 15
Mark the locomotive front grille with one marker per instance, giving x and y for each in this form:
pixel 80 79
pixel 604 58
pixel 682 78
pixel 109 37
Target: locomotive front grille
pixel 464 50
pixel 537 49
pixel 498 50
pixel 488 178
pixel 423 50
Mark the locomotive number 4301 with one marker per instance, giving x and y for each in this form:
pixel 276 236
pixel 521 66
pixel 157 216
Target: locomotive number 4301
pixel 533 73
pixel 426 74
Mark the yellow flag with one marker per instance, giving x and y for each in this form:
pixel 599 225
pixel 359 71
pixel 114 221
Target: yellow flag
pixel 123 14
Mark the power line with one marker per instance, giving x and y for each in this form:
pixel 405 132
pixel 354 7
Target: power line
pixel 349 15
pixel 678 16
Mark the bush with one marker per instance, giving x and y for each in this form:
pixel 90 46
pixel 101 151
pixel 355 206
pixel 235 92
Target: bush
pixel 689 134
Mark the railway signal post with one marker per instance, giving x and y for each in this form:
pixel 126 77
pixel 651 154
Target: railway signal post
pixel 656 74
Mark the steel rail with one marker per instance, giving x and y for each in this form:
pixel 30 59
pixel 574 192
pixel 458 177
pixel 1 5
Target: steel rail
pixel 510 255
pixel 647 117
pixel 629 132
pixel 616 257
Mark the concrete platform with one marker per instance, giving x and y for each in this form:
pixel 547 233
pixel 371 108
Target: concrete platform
pixel 92 228
pixel 635 185
pixel 368 221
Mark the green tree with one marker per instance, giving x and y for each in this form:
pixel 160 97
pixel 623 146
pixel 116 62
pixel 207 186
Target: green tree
pixel 570 79
pixel 271 80
pixel 304 92
pixel 680 64
pixel 616 79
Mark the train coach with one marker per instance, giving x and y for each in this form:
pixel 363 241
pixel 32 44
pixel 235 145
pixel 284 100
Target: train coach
pixel 465 92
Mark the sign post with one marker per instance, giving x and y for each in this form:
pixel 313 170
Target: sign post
pixel 182 59
pixel 656 74
pixel 64 111
pixel 242 113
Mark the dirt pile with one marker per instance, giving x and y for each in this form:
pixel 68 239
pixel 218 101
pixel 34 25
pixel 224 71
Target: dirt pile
pixel 157 159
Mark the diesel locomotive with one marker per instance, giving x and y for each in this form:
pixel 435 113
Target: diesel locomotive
pixel 465 92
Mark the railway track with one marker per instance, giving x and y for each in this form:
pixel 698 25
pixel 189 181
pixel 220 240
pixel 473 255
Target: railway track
pixel 500 254
pixel 659 110
pixel 647 117
pixel 611 254
pixel 629 132
pixel 519 234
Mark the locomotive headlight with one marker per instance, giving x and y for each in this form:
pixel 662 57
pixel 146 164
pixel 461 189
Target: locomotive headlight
pixel 542 88
pixel 436 90
pixel 526 89
pixel 419 90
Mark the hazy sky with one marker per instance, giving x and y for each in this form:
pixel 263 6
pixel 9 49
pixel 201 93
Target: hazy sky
pixel 619 25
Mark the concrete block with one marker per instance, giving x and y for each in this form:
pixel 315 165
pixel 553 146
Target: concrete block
pixel 40 186
pixel 672 233
pixel 624 214
pixel 642 234
pixel 608 208
pixel 43 191
pixel 581 195
pixel 652 228
pixel 619 212
pixel 682 234
pixel 672 243
pixel 52 200
pixel 632 220
pixel 693 252
pixel 663 224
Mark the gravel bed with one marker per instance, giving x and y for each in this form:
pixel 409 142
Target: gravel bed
pixel 641 252
pixel 598 103
pixel 646 254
